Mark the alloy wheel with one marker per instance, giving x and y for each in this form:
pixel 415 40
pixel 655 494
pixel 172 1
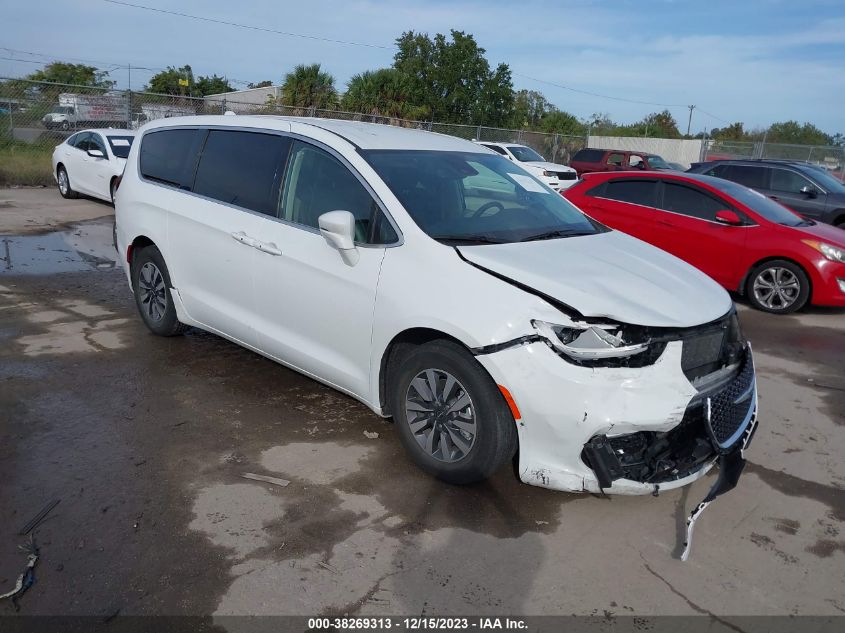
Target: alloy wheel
pixel 441 415
pixel 776 288
pixel 153 291
pixel 63 181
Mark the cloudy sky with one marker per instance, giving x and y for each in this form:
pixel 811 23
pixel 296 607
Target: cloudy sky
pixel 756 61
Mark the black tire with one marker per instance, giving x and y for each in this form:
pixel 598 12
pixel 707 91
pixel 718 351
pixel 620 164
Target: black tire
pixel 112 190
pixel 790 298
pixel 64 184
pixel 494 442
pixel 65 125
pixel 155 307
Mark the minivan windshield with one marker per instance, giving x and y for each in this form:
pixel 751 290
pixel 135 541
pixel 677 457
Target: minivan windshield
pixel 465 197
pixel 757 202
pixel 525 154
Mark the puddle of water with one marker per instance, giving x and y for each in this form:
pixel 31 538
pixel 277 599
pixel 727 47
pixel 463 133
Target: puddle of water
pixel 66 251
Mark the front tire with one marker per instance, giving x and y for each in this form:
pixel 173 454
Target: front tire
pixel 64 184
pixel 450 415
pixel 151 285
pixel 778 286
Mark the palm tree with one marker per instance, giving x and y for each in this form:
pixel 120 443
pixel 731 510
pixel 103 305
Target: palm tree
pixel 382 92
pixel 309 87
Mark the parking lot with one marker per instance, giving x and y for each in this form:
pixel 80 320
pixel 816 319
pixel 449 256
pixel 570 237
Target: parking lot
pixel 146 442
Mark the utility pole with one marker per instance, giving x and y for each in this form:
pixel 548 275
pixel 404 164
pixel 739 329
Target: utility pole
pixel 689 122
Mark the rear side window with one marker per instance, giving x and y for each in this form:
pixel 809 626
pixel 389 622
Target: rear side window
pixel 633 191
pixel 588 155
pixel 167 156
pixel 748 175
pixel 242 168
pixel 497 149
pixel 616 159
pixel 690 201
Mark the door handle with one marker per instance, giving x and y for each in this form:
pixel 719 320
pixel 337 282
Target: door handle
pixel 243 238
pixel 268 247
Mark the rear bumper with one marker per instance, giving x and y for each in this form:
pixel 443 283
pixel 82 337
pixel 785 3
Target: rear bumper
pixel 564 407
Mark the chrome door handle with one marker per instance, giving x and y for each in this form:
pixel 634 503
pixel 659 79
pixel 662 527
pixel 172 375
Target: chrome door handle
pixel 268 247
pixel 243 238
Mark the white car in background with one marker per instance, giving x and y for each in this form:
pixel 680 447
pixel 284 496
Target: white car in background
pixel 558 177
pixel 91 162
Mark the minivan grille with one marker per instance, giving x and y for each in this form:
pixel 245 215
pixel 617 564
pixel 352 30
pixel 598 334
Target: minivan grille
pixel 731 408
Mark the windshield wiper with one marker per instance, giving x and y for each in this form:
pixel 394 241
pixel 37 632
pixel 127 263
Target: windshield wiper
pixel 468 239
pixel 550 235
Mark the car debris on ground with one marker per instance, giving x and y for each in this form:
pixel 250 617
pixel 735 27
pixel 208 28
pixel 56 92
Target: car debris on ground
pixel 27 577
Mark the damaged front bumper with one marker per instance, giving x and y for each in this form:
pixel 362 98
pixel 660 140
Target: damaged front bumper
pixel 622 430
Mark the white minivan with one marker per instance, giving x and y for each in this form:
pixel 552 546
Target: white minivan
pixel 442 285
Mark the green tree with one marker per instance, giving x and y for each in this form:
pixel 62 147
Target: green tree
pixel 560 122
pixel 171 81
pixel 793 132
pixel 529 109
pixel 211 85
pixel 453 80
pixel 383 92
pixel 75 74
pixel 261 84
pixel 733 132
pixel 309 86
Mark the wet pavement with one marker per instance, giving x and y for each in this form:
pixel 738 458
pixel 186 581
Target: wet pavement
pixel 146 440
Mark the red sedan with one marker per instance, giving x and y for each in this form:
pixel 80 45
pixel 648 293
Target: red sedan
pixel 747 242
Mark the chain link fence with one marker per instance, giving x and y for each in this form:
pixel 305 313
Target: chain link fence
pixel 37 116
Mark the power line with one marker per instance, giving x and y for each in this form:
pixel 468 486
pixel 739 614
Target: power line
pixel 596 94
pixel 248 26
pixel 114 65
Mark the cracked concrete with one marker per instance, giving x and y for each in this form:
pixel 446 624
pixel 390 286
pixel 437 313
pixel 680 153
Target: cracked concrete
pixel 145 440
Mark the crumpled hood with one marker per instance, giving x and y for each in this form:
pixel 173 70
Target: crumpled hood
pixel 548 166
pixel 609 275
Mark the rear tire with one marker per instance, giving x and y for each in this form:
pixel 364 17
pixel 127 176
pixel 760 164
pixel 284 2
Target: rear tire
pixel 778 286
pixel 461 430
pixel 64 184
pixel 151 285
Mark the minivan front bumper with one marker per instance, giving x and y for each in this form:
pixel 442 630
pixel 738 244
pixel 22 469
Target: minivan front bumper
pixel 620 430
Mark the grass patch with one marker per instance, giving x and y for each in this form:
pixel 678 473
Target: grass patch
pixel 24 165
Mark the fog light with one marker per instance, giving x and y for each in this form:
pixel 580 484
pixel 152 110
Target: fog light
pixel 841 283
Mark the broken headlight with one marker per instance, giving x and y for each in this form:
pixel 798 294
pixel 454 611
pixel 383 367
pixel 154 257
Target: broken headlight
pixel 597 344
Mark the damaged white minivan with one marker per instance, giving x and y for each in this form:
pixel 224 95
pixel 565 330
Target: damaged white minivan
pixel 442 285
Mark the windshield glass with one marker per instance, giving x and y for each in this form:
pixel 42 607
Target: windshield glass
pixel 120 145
pixel 464 196
pixel 656 162
pixel 757 202
pixel 525 154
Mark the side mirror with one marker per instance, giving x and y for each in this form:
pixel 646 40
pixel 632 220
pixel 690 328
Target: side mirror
pixel 338 229
pixel 728 217
pixel 809 191
pixel 96 153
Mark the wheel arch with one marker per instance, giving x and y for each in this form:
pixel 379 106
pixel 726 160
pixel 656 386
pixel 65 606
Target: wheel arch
pixel 410 337
pixel 744 283
pixel 139 242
